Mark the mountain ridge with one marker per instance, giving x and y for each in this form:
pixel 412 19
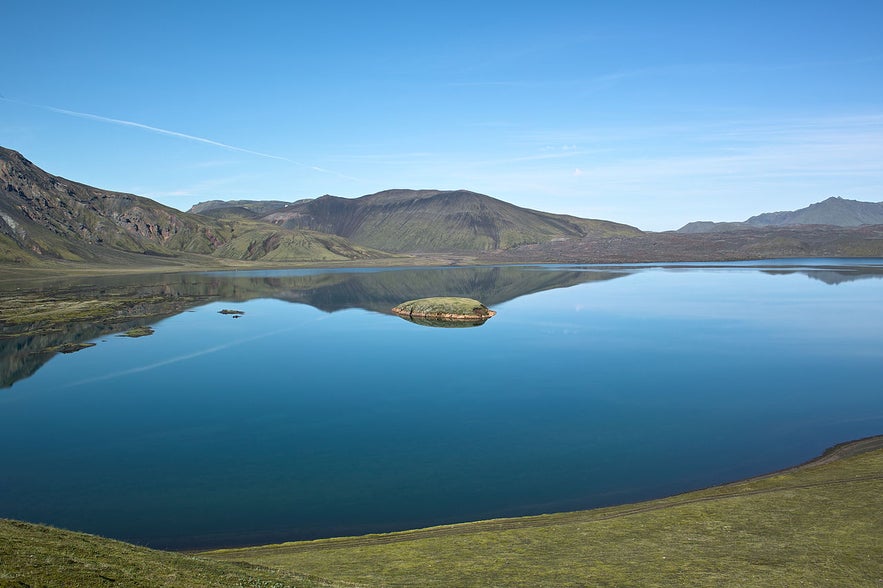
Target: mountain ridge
pixel 48 221
pixel 49 218
pixel 833 211
pixel 420 221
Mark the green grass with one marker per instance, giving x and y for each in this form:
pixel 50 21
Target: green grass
pixel 35 555
pixel 816 526
pixel 443 306
pixel 136 332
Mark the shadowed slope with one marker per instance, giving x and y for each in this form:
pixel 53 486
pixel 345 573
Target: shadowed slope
pixel 45 218
pixel 433 220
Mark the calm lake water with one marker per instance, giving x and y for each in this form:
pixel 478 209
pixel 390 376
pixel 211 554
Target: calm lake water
pixel 318 413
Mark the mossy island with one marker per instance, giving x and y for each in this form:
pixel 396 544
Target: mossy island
pixel 444 311
pixel 138 332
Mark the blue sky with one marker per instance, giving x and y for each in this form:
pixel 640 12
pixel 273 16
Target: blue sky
pixel 649 113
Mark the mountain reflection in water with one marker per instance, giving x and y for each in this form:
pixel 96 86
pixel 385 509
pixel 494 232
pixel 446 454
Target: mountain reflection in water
pixel 146 299
pixel 298 421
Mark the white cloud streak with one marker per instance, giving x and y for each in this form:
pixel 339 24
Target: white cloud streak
pixel 137 125
pixel 178 135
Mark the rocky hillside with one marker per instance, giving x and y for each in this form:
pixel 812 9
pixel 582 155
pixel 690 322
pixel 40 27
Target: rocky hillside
pixel 834 211
pixel 746 244
pixel 246 208
pixel 45 217
pixel 418 221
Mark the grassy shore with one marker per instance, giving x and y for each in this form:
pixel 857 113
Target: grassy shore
pixel 12 274
pixel 815 525
pixel 39 556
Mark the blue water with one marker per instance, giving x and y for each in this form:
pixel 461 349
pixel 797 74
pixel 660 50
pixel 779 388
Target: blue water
pixel 292 422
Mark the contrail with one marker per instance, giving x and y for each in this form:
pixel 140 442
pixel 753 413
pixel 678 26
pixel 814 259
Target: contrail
pixel 137 125
pixel 129 123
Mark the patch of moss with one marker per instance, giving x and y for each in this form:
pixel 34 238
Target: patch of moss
pixel 36 555
pixel 70 347
pixel 444 308
pixel 138 332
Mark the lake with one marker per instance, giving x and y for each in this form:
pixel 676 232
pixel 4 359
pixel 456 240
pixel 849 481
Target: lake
pixel 318 413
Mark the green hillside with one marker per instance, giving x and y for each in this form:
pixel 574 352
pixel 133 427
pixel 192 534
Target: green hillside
pixel 39 556
pixel 45 218
pixel 437 221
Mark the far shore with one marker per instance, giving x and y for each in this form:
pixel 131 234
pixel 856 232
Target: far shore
pixel 14 272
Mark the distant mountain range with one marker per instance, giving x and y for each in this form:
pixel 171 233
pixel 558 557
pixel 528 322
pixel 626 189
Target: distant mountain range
pixel 835 211
pixel 421 221
pixel 46 219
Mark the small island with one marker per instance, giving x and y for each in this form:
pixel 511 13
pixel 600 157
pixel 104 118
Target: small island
pixel 138 332
pixel 444 308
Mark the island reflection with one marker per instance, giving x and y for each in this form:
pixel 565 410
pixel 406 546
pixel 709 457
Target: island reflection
pixel 39 319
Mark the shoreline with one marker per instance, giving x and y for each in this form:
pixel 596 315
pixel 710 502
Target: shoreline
pixel 832 454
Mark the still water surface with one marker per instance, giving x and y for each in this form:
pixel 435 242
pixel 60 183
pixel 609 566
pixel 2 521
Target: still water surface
pixel 318 413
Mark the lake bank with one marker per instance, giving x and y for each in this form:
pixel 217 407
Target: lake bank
pixel 841 451
pixel 562 425
pixel 814 524
pixel 10 272
pixel 705 537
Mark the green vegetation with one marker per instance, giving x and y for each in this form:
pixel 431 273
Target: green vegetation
pixel 69 347
pixel 42 319
pixel 235 313
pixel 138 332
pixel 815 525
pixel 444 308
pixel 436 220
pixel 818 525
pixel 46 220
pixel 36 312
pixel 34 555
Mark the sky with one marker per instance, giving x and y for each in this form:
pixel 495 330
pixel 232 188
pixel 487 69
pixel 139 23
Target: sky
pixel 648 113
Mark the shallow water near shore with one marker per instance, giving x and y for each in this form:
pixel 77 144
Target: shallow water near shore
pixel 318 413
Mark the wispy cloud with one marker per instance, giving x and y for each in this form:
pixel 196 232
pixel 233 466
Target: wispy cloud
pixel 210 186
pixel 178 135
pixel 662 176
pixel 152 129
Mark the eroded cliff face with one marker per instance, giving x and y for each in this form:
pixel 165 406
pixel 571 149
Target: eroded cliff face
pixel 46 216
pixel 37 206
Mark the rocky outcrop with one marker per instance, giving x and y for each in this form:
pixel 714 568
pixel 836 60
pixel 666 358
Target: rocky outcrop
pixel 444 309
pixel 48 217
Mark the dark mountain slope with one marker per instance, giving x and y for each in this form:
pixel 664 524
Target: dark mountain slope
pixel 750 243
pixel 834 211
pixel 45 217
pixel 437 221
pixel 256 207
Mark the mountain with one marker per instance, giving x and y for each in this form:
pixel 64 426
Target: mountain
pixel 418 221
pixel 745 244
pixel 238 209
pixel 45 217
pixel 834 211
